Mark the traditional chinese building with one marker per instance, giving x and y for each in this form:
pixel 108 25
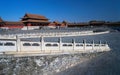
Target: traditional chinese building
pixel 77 24
pixel 96 23
pixel 57 24
pixel 35 20
pixel 60 24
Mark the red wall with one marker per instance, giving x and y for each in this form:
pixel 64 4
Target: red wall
pixel 13 26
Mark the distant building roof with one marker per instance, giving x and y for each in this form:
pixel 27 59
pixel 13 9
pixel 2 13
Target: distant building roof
pixel 31 20
pixel 13 23
pixel 80 24
pixel 64 22
pixel 34 16
pixel 96 22
pixel 56 22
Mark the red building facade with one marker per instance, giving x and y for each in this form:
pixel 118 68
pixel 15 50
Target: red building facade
pixel 10 24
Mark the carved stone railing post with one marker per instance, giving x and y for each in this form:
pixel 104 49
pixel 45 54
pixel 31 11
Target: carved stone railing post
pixel 100 45
pixel 60 43
pixel 18 44
pixel 42 44
pixel 93 45
pixel 106 45
pixel 84 44
pixel 74 43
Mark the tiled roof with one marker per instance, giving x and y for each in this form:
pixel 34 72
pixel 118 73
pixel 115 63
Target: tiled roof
pixel 78 24
pixel 34 16
pixel 57 22
pixel 30 20
pixel 11 23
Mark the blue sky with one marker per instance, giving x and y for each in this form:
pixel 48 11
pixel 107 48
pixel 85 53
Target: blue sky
pixel 59 10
